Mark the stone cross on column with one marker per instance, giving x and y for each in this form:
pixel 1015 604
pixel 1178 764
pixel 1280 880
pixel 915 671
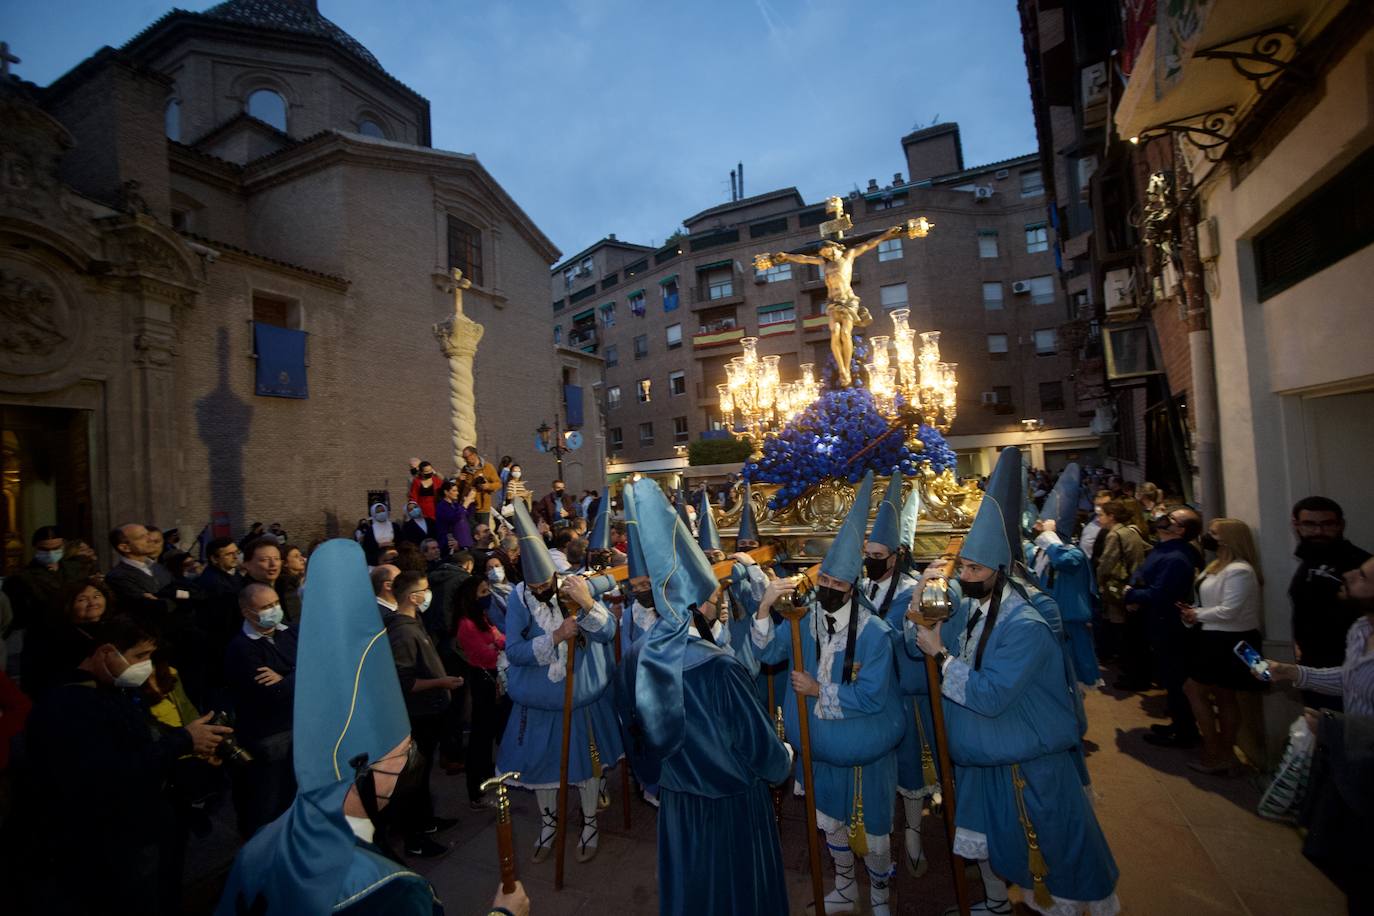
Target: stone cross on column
pixel 458 337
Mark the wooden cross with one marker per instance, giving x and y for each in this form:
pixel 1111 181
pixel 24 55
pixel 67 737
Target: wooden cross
pixel 6 58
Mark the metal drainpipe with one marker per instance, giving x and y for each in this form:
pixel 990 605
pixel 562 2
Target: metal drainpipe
pixel 1203 409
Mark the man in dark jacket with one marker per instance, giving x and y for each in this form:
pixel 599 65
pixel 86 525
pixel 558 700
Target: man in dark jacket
pixel 260 671
pixel 35 592
pixel 101 769
pixel 1163 581
pixel 137 579
pixel 425 686
pixel 1320 620
pixel 557 507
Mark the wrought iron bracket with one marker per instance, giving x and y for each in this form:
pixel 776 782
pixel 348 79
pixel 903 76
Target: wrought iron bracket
pixel 1208 132
pixel 1270 54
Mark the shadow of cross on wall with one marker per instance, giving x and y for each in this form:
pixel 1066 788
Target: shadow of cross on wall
pixel 222 423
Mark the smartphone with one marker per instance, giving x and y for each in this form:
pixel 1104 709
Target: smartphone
pixel 1253 660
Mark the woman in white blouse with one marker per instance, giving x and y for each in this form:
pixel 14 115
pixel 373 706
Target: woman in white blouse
pixel 1228 612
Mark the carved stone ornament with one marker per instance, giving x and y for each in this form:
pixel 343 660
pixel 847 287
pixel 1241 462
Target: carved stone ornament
pixel 38 326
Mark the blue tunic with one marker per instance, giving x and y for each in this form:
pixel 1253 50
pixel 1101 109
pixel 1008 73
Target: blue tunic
pixel 747 584
pixel 1068 578
pixel 911 677
pixel 535 730
pixel 718 849
pixel 853 726
pixel 1017 709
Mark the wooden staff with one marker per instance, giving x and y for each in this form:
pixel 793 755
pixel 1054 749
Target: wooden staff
pixel 937 714
pixel 561 838
pixel 505 844
pixel 624 764
pixel 794 612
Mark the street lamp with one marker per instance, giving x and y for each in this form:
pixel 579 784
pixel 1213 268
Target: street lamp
pixel 552 441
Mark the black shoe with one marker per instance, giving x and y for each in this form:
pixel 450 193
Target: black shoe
pixel 440 824
pixel 424 848
pixel 1160 729
pixel 1173 740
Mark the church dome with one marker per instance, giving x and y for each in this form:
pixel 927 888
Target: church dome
pixel 300 16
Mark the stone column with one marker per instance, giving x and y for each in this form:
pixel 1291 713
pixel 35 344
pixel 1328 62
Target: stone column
pixel 458 336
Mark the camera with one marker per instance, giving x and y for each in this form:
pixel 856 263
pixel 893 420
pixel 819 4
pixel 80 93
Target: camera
pixel 229 750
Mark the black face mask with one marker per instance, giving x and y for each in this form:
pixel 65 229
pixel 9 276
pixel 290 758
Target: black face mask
pixel 875 568
pixel 544 595
pixel 1209 542
pixel 830 599
pixel 645 598
pixel 976 590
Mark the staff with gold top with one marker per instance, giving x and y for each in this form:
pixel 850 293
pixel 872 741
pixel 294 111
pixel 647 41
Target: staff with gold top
pixel 849 696
pixel 562 709
pixel 1021 812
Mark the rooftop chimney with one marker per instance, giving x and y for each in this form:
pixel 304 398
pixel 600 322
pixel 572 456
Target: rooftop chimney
pixel 872 184
pixel 933 151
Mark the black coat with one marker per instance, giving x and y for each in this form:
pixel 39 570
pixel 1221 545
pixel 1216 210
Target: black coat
pixel 132 587
pixel 261 711
pixel 1320 621
pixel 412 532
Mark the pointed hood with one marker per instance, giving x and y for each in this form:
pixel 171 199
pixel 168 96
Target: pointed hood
pixel 535 563
pixel 911 511
pixel 347 703
pixel 887 528
pixel 681 580
pixel 1062 503
pixel 635 555
pixel 1027 505
pixel 600 537
pixel 845 557
pixel 986 542
pixel 748 528
pixel 1004 485
pixel 681 504
pixel 708 538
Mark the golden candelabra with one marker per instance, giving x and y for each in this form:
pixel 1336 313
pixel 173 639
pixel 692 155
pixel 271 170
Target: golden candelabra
pixel 764 402
pixel 924 382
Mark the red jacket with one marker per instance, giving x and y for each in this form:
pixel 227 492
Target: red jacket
pixel 425 498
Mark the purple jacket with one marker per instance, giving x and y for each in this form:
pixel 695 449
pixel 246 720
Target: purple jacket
pixel 455 519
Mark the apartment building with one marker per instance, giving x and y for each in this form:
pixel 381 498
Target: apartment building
pixel 666 320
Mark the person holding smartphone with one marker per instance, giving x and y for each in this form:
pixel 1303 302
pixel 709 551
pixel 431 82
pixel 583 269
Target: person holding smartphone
pixel 1228 610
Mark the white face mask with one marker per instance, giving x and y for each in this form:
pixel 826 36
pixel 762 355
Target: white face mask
pixel 496 575
pixel 135 674
pixel 270 617
pixel 424 602
pixel 515 474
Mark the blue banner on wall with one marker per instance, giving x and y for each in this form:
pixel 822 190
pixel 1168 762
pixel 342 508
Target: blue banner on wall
pixel 572 400
pixel 281 361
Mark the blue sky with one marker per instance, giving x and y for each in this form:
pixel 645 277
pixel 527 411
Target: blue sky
pixel 626 116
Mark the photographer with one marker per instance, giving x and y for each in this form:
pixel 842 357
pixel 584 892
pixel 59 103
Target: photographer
pixel 260 672
pixel 100 772
pixel 483 478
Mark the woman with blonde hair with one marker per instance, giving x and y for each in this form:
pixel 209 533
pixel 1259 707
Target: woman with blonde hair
pixel 1228 611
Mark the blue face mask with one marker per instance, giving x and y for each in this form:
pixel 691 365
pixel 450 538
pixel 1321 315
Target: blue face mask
pixel 414 512
pixel 270 617
pixel 48 557
pixel 424 602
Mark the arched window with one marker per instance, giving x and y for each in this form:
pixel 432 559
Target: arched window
pixel 369 128
pixel 268 106
pixel 172 119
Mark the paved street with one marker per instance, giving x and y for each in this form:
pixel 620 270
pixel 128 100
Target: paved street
pixel 1185 843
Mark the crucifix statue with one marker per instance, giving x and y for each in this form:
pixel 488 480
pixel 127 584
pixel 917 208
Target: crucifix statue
pixel 6 58
pixel 458 337
pixel 836 260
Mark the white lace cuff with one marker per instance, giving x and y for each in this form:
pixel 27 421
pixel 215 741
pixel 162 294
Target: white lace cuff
pixel 956 680
pixel 545 652
pixel 595 618
pixel 644 617
pixel 762 632
pixel 828 705
pixel 970 844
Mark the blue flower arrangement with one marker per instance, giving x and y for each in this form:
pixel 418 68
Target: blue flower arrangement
pixel 824 439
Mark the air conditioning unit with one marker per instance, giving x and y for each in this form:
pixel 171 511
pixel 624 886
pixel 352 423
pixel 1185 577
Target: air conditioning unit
pixel 1001 173
pixel 1087 167
pixel 989 398
pixel 1095 85
pixel 1118 290
pixel 982 192
pixel 1020 286
pixel 1103 421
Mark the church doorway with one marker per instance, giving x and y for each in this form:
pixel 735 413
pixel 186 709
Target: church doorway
pixel 45 477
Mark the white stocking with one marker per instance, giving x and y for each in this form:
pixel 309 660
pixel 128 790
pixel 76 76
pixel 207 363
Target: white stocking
pixel 913 809
pixel 879 865
pixel 589 791
pixel 995 892
pixel 548 813
pixel 845 891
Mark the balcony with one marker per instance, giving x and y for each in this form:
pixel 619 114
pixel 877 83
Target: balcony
pixel 711 295
pixel 583 339
pixel 717 334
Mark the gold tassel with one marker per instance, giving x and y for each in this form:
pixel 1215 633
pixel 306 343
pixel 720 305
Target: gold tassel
pixel 778 725
pixel 858 836
pixel 1035 859
pixel 928 775
pixel 596 757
